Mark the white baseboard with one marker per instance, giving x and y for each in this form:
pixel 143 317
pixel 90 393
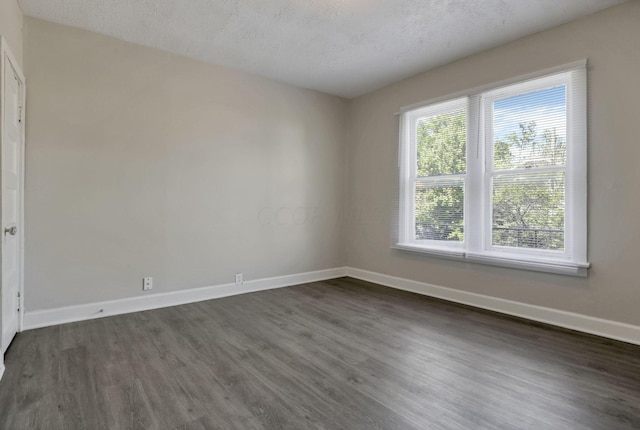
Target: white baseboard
pixel 1 371
pixel 50 317
pixel 583 323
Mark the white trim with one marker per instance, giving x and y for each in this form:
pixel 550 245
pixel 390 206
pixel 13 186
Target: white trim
pixel 493 258
pixel 2 368
pixel 577 113
pixel 455 253
pixel 7 55
pixel 573 321
pixel 49 317
pixel 536 264
pixel 470 92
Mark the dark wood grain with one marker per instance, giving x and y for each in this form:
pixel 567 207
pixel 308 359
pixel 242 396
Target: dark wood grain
pixel 340 354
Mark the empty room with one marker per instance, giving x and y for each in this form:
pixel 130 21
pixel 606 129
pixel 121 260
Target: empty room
pixel 325 214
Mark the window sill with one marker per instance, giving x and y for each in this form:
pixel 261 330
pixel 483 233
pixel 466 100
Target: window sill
pixel 560 267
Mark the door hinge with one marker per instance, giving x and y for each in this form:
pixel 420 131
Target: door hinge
pixel 20 114
pixel 18 301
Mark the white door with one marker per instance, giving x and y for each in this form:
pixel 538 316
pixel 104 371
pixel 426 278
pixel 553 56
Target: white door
pixel 12 153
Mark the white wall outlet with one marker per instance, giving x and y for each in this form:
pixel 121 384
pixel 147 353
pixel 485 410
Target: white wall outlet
pixel 239 278
pixel 147 283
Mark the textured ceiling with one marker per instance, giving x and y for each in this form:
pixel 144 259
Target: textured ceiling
pixel 341 47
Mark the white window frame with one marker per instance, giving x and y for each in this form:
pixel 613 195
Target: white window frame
pixel 409 172
pixel 477 245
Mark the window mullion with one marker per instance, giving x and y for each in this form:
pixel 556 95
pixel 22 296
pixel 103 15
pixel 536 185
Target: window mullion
pixel 474 193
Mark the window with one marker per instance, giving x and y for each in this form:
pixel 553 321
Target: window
pixel 498 176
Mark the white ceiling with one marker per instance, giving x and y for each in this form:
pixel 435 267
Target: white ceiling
pixel 341 47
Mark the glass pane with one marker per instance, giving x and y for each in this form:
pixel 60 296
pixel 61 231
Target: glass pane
pixel 442 143
pixel 440 212
pixel 530 130
pixel 528 210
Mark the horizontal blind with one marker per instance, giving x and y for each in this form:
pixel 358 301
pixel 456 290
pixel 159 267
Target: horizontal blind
pixel 502 172
pixel 527 133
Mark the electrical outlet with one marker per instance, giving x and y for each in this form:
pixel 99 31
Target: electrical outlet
pixel 239 278
pixel 147 283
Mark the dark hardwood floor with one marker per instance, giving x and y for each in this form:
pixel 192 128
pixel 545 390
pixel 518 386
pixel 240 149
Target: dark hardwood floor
pixel 341 354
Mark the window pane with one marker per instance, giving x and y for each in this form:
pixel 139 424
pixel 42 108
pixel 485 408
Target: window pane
pixel 442 142
pixel 530 130
pixel 528 210
pixel 440 212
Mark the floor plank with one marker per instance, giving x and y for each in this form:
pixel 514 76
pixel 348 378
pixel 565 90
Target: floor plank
pixel 340 354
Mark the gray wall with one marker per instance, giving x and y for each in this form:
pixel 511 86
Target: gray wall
pixel 610 41
pixel 11 26
pixel 143 163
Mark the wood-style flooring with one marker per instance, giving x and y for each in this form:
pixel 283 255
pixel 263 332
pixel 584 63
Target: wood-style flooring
pixel 340 354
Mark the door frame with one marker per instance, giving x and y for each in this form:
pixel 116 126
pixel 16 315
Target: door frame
pixel 7 59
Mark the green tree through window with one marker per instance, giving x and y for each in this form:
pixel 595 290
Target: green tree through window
pixel 528 210
pixel 441 147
